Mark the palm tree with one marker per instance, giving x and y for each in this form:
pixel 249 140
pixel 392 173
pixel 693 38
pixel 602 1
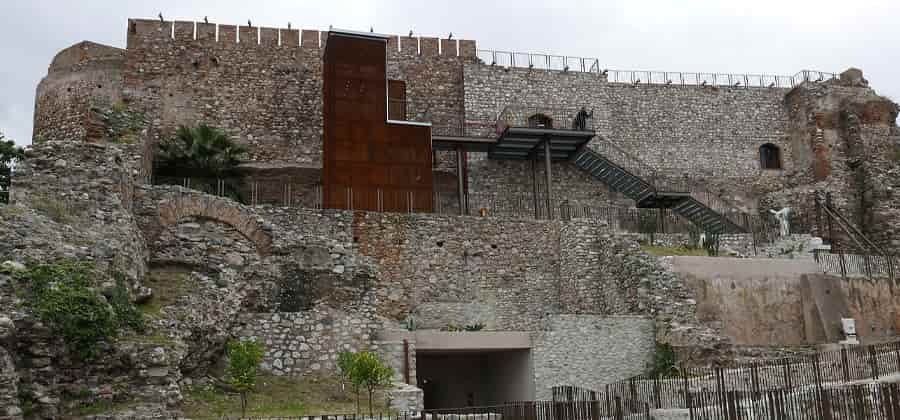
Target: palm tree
pixel 201 151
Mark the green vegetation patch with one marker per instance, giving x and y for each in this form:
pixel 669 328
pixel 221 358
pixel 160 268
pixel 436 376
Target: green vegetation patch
pixel 275 396
pixel 168 286
pixel 62 296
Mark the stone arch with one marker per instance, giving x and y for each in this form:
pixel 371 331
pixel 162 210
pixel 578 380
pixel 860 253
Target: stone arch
pixel 769 156
pixel 218 209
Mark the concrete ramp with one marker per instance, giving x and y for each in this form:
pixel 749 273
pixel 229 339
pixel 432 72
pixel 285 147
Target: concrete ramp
pixel 824 304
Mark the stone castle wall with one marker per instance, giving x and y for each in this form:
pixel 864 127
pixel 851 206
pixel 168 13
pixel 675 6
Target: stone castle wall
pixel 590 351
pixel 81 77
pixel 264 85
pixel 711 134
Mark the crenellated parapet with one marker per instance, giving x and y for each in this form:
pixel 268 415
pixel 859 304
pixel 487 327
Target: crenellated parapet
pixel 265 37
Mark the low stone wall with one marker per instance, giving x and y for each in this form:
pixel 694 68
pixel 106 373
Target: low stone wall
pixel 590 351
pixel 308 342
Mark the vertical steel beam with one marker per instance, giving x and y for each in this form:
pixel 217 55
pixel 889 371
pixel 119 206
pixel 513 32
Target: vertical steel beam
pixel 549 177
pixel 459 180
pixel 534 185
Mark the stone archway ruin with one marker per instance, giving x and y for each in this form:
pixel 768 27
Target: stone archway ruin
pixel 177 208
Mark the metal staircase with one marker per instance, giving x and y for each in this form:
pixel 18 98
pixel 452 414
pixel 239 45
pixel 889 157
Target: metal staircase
pixel 647 195
pixel 564 134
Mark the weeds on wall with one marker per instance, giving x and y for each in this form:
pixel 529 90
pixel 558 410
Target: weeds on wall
pixel 62 295
pixel 665 362
pixel 122 125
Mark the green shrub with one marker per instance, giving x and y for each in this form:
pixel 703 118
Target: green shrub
pixel 61 296
pixel 243 362
pixel 369 372
pixel 9 155
pixel 202 151
pixel 665 362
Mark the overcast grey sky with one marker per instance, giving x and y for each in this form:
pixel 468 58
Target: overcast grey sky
pixel 751 36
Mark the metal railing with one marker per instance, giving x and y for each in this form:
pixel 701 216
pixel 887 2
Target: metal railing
pixel 870 261
pixel 560 118
pixel 444 115
pixel 810 386
pixel 638 167
pixel 592 65
pixel 512 205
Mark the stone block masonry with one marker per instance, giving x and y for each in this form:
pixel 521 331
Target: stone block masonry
pixel 590 351
pixel 307 343
pixel 506 274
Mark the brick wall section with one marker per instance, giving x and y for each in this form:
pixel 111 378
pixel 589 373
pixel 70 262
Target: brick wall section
pixel 847 139
pixel 590 351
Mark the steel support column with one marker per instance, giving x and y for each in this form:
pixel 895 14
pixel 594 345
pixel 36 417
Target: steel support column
pixel 534 185
pixel 549 177
pixel 459 181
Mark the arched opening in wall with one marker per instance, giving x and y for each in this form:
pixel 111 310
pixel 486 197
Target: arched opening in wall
pixel 540 121
pixel 174 209
pixel 204 243
pixel 769 156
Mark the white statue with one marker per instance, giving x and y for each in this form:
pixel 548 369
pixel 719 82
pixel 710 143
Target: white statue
pixel 701 240
pixel 783 218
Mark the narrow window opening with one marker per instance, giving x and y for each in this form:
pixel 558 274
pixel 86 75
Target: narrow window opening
pixel 769 156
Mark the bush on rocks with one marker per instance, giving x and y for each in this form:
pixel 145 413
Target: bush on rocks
pixel 62 296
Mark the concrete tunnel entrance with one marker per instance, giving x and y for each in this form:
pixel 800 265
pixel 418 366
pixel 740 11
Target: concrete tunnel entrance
pixel 469 369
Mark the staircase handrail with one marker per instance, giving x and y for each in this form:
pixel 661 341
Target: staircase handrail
pixel 857 236
pixel 644 170
pixel 704 196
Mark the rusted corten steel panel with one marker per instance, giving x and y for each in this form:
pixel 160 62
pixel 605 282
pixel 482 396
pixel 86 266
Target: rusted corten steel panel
pixel 369 164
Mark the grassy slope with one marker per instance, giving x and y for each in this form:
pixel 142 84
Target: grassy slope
pixel 277 396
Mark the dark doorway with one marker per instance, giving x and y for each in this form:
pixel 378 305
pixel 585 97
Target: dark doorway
pixel 540 121
pixel 477 378
pixel 397 100
pixel 769 156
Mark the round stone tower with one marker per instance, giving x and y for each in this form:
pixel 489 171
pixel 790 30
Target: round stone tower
pixel 81 77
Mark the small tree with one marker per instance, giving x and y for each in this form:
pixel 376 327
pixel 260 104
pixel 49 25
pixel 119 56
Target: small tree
pixel 369 372
pixel 9 155
pixel 345 363
pixel 244 357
